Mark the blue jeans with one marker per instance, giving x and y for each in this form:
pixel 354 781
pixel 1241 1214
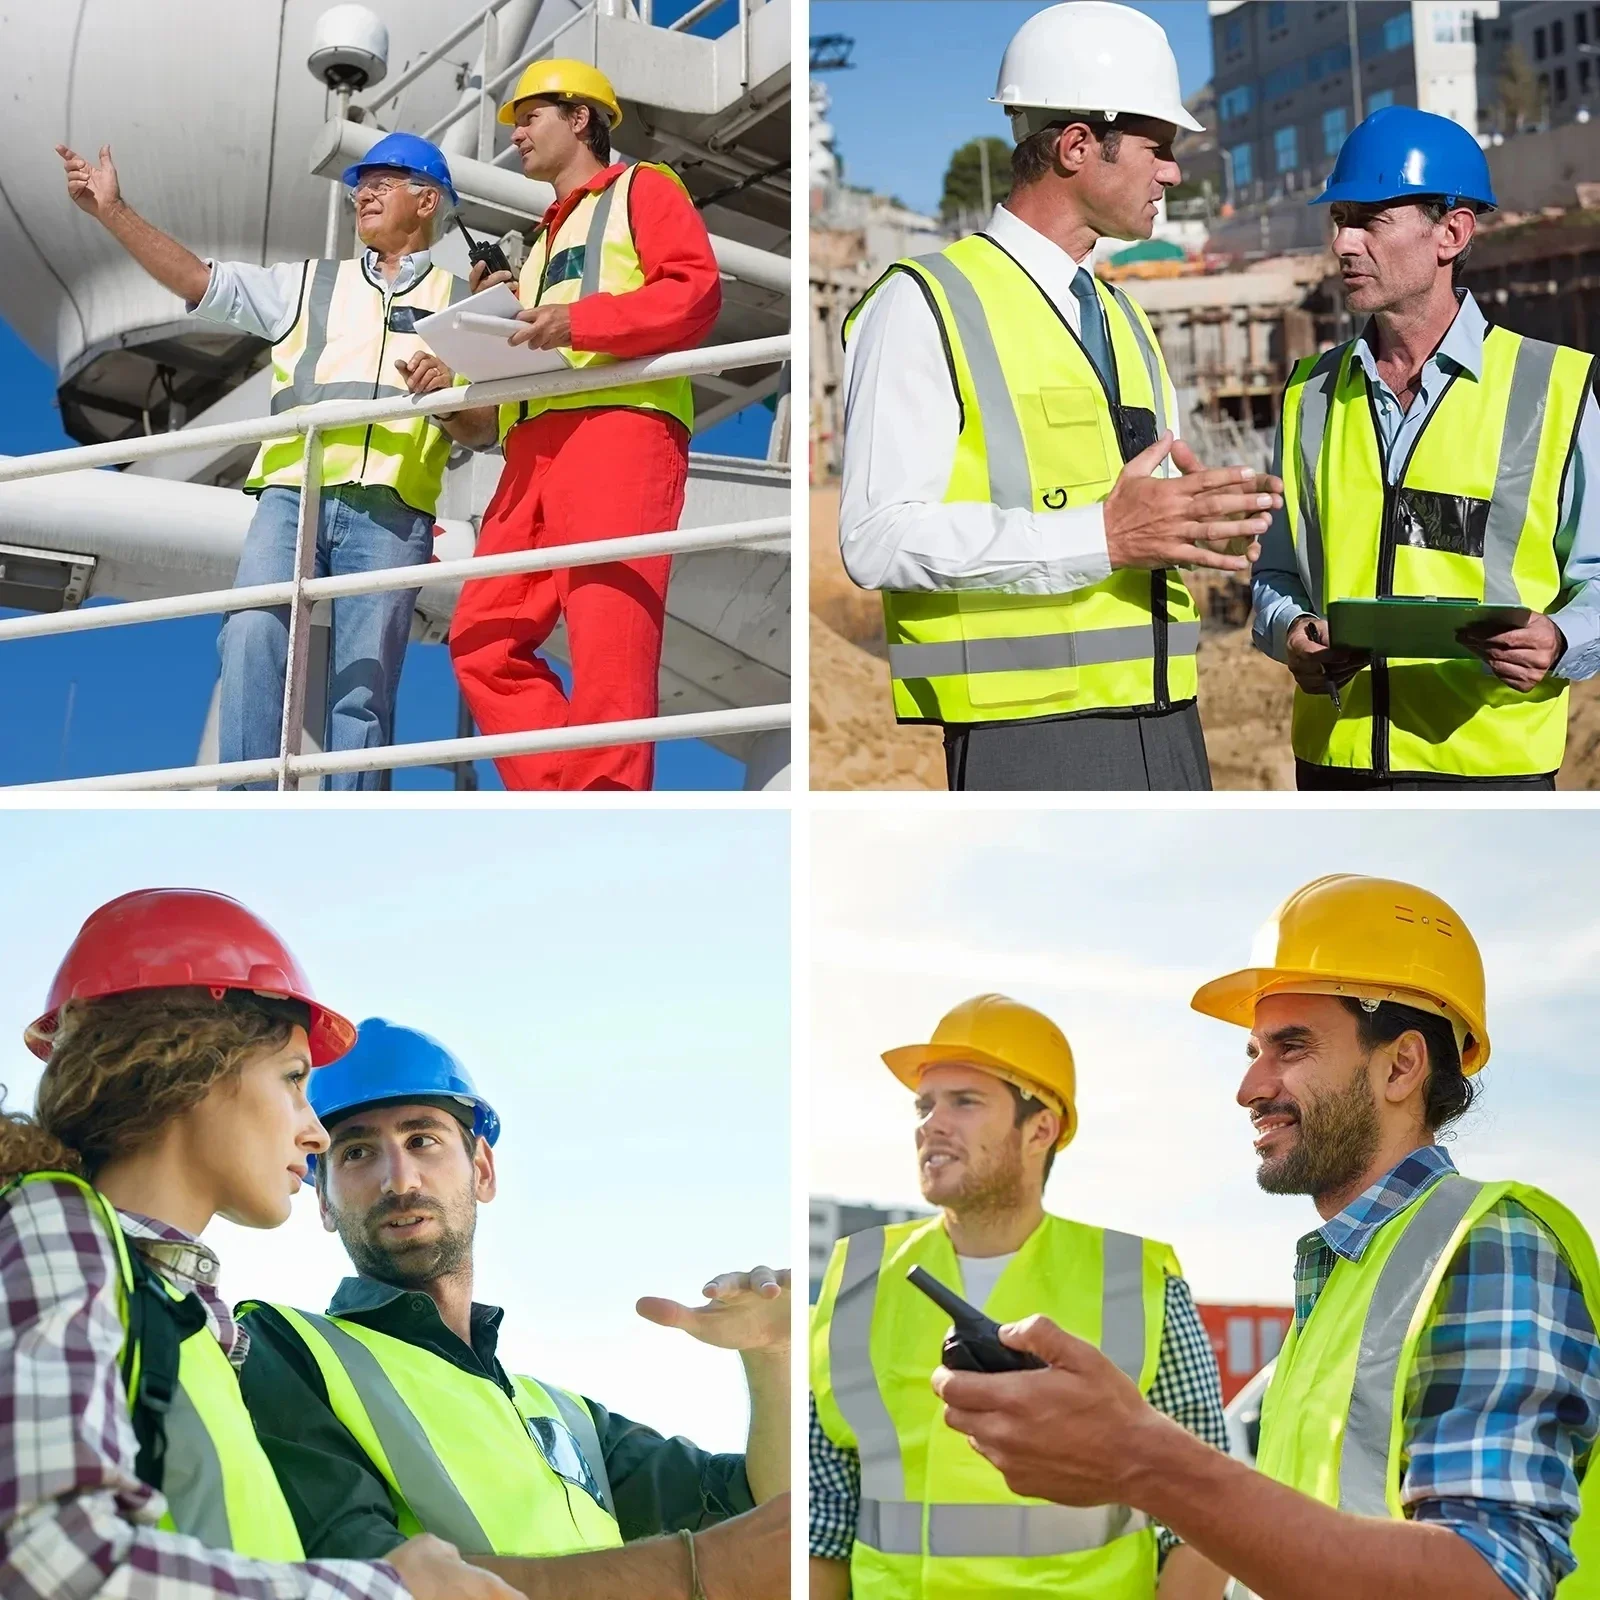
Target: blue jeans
pixel 359 529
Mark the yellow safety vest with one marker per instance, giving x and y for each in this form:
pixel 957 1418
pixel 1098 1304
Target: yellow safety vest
pixel 218 1484
pixel 1333 1417
pixel 593 252
pixel 343 346
pixel 936 1519
pixel 463 1460
pixel 1039 430
pixel 1475 515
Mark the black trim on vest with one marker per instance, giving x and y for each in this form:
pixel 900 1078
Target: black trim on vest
pixel 938 322
pixel 157 1327
pixel 299 304
pixel 1591 397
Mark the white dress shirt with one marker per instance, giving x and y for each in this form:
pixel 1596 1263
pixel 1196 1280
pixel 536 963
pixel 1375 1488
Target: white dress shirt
pixel 266 300
pixel 901 421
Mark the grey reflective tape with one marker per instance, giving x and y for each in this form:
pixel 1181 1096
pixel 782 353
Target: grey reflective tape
pixel 1147 353
pixel 303 388
pixel 1038 652
pixel 1010 482
pixel 346 389
pixel 1364 1462
pixel 892 1526
pixel 855 1384
pixel 1122 1332
pixel 1315 398
pixel 594 244
pixel 419 1473
pixel 581 1426
pixel 192 1476
pixel 1513 479
pixel 460 289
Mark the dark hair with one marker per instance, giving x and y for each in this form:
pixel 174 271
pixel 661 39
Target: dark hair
pixel 1448 1094
pixel 1030 1106
pixel 597 134
pixel 1035 157
pixel 1436 211
pixel 468 1138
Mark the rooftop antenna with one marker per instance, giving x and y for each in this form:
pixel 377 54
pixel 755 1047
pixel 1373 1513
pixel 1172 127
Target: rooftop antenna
pixel 349 50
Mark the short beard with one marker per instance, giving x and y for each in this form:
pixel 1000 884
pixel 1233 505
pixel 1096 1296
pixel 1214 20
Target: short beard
pixel 407 1266
pixel 998 1190
pixel 1339 1136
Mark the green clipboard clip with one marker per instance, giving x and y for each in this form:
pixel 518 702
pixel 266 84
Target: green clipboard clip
pixel 1415 629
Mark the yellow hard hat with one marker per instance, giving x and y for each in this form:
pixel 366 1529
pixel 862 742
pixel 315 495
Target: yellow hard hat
pixel 566 80
pixel 1007 1038
pixel 1369 939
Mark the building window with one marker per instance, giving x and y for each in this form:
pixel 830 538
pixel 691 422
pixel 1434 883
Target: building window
pixel 1397 31
pixel 1277 16
pixel 1242 172
pixel 1286 148
pixel 1558 38
pixel 1236 102
pixel 1380 100
pixel 1580 28
pixel 1583 77
pixel 1539 51
pixel 1334 126
pixel 1561 83
pixel 1233 36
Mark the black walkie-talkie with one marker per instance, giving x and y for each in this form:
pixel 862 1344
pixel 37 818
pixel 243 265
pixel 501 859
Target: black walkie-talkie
pixel 973 1344
pixel 487 252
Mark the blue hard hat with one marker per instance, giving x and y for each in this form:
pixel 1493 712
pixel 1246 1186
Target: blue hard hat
pixel 389 1064
pixel 1400 153
pixel 407 152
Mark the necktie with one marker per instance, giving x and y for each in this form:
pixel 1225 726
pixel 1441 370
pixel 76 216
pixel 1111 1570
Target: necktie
pixel 1096 341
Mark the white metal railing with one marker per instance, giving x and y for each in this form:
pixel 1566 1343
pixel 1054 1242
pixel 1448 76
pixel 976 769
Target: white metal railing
pixel 301 591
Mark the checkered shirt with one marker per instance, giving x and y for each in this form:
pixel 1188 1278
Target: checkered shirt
pixel 1186 1388
pixel 75 1521
pixel 1503 1404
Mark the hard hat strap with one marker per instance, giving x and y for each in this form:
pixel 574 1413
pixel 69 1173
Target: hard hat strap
pixel 1029 120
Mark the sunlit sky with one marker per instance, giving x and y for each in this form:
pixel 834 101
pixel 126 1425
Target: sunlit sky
pixel 1108 921
pixel 615 980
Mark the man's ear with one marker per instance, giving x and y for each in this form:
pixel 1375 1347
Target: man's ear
pixel 484 1180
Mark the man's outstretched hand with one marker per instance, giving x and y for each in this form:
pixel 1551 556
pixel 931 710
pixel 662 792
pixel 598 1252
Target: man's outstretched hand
pixel 93 189
pixel 743 1311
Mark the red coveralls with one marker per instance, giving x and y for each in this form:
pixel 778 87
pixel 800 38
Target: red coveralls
pixel 602 472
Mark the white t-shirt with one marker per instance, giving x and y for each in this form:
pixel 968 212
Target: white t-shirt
pixel 979 1275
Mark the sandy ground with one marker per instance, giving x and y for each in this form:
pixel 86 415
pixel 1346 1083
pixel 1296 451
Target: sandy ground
pixel 1244 698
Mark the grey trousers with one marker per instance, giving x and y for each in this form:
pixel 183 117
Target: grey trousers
pixel 1156 750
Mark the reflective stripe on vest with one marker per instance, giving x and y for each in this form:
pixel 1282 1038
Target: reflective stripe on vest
pixel 474 1474
pixel 1333 1419
pixel 1475 515
pixel 899 1533
pixel 599 225
pixel 1037 432
pixel 341 347
pixel 217 1482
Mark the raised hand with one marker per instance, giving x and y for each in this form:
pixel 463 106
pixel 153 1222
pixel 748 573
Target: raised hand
pixel 91 188
pixel 743 1311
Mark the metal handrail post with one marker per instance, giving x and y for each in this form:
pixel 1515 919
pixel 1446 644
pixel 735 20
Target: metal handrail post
pixel 692 15
pixel 486 105
pixel 744 45
pixel 305 560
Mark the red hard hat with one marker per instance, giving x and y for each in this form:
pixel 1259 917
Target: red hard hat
pixel 183 938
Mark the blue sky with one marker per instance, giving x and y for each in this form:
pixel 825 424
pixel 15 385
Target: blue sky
pixel 616 982
pixel 923 74
pixel 1108 922
pixel 138 696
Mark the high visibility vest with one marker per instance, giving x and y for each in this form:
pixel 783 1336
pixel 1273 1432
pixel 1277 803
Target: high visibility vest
pixel 343 346
pixel 593 252
pixel 463 1460
pixel 1039 431
pixel 1475 515
pixel 936 1520
pixel 1332 1419
pixel 219 1486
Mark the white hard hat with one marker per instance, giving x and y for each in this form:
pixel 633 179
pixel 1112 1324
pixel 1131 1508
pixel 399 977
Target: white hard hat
pixel 1091 56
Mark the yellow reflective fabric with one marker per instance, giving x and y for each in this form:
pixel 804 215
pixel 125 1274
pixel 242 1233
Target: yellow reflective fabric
pixel 458 1454
pixel 1475 515
pixel 1333 1417
pixel 1037 432
pixel 219 1486
pixel 343 347
pixel 936 1520
pixel 593 252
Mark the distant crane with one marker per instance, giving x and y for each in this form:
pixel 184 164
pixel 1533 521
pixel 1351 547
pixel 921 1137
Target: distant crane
pixel 830 52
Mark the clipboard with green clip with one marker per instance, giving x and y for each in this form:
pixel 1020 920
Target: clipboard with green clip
pixel 1414 629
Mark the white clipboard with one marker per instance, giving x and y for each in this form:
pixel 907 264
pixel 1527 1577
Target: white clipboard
pixel 470 338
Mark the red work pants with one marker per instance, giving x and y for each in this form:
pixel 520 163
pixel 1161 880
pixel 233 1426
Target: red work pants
pixel 572 476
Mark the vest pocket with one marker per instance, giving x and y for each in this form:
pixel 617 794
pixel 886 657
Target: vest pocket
pixel 1076 444
pixel 1018 650
pixel 1452 523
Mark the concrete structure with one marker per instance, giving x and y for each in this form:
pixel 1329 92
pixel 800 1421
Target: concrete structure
pixel 832 1220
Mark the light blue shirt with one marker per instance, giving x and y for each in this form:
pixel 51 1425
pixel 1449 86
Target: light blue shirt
pixel 265 300
pixel 1279 594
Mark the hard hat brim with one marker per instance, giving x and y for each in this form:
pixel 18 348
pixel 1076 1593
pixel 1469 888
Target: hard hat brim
pixel 1179 116
pixel 507 114
pixel 1363 194
pixel 351 176
pixel 908 1063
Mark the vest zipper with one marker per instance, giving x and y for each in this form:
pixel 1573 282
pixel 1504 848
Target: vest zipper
pixel 1160 687
pixel 1387 545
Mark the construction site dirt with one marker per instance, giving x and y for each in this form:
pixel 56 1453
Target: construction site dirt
pixel 1244 697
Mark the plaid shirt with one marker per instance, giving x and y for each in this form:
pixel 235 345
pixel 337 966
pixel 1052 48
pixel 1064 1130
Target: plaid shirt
pixel 1186 1388
pixel 75 1521
pixel 1504 1401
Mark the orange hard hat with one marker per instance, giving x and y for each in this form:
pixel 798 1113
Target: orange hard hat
pixel 183 938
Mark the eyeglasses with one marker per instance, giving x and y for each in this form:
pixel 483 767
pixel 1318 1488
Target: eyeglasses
pixel 376 188
pixel 562 1454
